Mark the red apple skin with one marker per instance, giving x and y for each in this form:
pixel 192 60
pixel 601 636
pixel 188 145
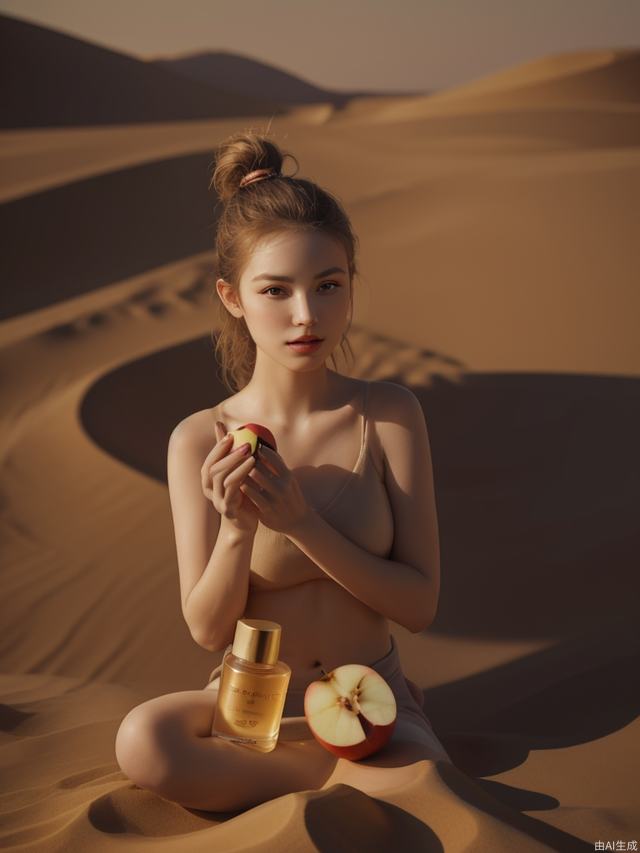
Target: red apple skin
pixel 369 746
pixel 360 750
pixel 265 436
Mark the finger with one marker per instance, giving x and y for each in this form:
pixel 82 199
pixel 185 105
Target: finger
pixel 220 461
pixel 220 470
pixel 241 453
pixel 218 450
pixel 221 435
pixel 223 483
pixel 237 475
pixel 264 480
pixel 273 459
pixel 252 491
pixel 213 459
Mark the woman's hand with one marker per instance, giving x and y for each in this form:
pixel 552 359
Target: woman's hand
pixel 222 475
pixel 275 492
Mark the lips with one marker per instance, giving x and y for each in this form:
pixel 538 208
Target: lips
pixel 305 341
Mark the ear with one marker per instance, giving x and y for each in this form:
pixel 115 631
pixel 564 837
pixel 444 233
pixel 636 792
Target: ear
pixel 229 297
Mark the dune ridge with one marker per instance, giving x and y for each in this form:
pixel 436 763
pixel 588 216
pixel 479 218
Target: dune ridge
pixel 598 79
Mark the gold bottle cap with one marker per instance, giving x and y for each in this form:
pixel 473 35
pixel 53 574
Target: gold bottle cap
pixel 257 640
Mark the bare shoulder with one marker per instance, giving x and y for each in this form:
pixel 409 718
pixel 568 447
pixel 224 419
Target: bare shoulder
pixel 197 431
pixel 393 407
pixel 390 396
pixel 397 418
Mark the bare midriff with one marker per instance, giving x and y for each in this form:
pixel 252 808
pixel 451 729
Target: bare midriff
pixel 323 626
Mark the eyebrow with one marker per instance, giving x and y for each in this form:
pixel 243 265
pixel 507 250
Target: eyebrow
pixel 271 277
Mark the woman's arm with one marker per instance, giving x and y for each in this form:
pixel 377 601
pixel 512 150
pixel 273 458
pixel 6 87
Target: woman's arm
pixel 219 598
pixel 213 556
pixel 405 587
pixel 393 589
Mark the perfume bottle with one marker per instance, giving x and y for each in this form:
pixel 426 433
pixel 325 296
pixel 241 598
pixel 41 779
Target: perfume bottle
pixel 253 687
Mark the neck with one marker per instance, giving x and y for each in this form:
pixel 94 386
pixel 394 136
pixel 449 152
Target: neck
pixel 286 398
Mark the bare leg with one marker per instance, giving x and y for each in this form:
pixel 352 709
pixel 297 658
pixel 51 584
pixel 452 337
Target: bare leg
pixel 165 745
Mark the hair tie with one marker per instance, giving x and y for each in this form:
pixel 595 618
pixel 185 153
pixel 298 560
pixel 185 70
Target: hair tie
pixel 258 175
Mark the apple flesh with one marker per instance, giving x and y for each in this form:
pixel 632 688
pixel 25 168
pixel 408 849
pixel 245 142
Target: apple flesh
pixel 351 711
pixel 254 435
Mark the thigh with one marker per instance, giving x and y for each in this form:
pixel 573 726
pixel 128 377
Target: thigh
pixel 151 737
pixel 165 744
pixel 189 711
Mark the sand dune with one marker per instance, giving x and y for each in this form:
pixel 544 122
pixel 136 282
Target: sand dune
pixel 498 258
pixel 249 77
pixel 599 79
pixel 61 80
pixel 610 76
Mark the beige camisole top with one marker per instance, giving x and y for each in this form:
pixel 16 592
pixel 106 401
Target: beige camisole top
pixel 360 510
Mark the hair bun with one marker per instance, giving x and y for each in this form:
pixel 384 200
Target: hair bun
pixel 240 155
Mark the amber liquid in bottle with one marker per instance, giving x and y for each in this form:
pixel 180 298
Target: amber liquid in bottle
pixel 253 687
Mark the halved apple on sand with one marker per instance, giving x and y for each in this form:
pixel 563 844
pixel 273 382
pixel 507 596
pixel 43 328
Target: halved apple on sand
pixel 254 435
pixel 351 711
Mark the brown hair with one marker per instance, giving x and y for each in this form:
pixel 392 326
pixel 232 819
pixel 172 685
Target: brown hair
pixel 250 213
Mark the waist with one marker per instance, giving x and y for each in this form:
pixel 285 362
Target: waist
pixel 323 626
pixel 387 665
pixel 336 652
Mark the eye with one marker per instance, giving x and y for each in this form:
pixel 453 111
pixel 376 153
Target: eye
pixel 274 287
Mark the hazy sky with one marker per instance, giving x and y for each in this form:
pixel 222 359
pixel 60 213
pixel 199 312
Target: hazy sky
pixel 350 44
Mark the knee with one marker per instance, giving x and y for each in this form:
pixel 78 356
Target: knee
pixel 138 750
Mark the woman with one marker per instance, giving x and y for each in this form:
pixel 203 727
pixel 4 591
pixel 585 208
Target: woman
pixel 300 536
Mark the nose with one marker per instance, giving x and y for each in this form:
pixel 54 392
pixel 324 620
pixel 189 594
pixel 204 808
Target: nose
pixel 304 312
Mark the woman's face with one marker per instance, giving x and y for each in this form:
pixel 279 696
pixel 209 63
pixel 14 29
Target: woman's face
pixel 296 283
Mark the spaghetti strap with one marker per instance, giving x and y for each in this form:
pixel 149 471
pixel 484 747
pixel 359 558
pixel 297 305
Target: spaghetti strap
pixel 363 454
pixel 365 417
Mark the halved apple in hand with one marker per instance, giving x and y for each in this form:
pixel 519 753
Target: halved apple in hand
pixel 254 435
pixel 351 711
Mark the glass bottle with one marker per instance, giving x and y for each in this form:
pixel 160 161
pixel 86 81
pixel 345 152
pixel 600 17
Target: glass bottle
pixel 253 687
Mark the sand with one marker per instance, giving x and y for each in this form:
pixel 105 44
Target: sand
pixel 498 228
